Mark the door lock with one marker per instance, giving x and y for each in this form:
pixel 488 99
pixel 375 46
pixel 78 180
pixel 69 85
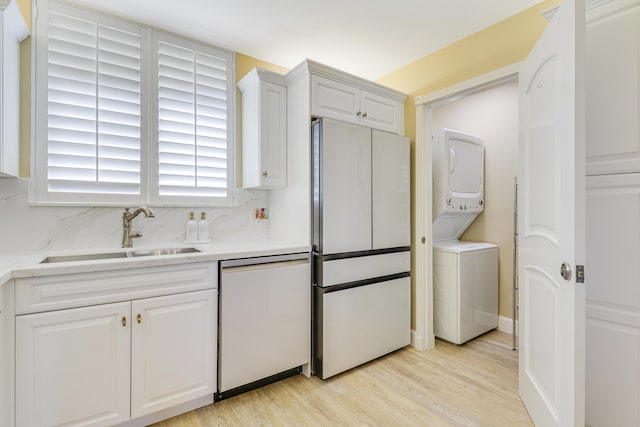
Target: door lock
pixel 565 271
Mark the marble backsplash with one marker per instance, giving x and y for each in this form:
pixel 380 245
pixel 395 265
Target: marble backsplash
pixel 26 228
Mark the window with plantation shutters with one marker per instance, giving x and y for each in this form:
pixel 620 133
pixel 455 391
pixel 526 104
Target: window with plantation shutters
pixel 128 114
pixel 192 120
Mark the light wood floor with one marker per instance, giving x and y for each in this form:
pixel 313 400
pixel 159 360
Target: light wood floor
pixel 475 384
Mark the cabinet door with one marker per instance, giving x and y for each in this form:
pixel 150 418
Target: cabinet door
pixel 72 366
pixel 173 350
pixel 7 353
pixel 390 190
pixel 264 133
pixel 335 100
pixel 381 113
pixel 613 90
pixel 265 321
pixel 273 136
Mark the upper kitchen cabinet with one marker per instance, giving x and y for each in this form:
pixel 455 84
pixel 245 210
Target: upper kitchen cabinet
pixel 13 30
pixel 350 103
pixel 612 83
pixel 264 129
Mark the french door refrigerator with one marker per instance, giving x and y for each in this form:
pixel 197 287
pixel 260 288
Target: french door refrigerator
pixel 361 244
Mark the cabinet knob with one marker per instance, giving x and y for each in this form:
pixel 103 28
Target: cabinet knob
pixel 124 321
pixel 139 318
pixel 364 116
pixel 265 174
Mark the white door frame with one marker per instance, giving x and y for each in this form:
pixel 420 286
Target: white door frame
pixel 423 337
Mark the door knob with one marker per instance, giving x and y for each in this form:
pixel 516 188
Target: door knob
pixel 565 271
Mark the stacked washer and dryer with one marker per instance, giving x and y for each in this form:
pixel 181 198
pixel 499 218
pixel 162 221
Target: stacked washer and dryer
pixel 465 274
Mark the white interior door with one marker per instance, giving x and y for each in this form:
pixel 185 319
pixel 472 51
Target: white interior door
pixel 551 173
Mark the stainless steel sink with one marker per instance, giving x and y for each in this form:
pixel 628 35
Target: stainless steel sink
pixel 114 255
pixel 164 251
pixel 85 257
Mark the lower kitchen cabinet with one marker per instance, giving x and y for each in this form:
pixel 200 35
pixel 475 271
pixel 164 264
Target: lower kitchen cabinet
pixel 173 350
pixel 72 366
pixel 106 364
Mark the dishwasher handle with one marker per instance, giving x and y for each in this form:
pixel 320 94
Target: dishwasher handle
pixel 277 264
pixel 243 262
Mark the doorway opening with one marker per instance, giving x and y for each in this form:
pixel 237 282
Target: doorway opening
pixel 486 106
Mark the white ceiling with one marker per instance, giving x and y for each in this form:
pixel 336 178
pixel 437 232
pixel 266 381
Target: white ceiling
pixel 368 38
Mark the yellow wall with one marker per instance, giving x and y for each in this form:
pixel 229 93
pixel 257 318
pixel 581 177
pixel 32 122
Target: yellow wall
pixel 244 64
pixel 25 8
pixel 502 44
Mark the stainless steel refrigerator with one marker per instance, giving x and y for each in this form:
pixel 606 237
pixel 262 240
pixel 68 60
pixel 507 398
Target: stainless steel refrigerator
pixel 361 243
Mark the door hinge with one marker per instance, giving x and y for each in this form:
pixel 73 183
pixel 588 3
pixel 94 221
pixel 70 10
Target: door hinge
pixel 424 240
pixel 579 273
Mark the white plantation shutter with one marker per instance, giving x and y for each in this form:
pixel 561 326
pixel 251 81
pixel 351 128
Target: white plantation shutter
pixel 127 114
pixel 193 123
pixel 94 105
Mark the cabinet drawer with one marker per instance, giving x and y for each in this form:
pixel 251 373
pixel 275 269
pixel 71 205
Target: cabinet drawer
pixel 44 293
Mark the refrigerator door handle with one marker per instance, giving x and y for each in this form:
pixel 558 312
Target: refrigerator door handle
pixel 364 282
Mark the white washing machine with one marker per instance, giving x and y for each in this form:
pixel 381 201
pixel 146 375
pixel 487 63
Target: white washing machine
pixel 465 289
pixel 465 274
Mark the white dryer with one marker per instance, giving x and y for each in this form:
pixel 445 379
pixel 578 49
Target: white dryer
pixel 465 274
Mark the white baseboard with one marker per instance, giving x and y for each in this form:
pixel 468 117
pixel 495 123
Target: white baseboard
pixel 420 343
pixel 417 341
pixel 505 324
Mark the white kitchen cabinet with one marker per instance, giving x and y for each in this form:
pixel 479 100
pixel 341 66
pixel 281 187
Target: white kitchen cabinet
pixel 265 318
pixel 264 129
pixel 341 101
pixel 173 350
pixel 13 30
pixel 7 354
pixel 72 366
pixel 88 352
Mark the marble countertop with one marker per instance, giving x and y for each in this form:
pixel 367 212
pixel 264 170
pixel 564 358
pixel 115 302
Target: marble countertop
pixel 28 264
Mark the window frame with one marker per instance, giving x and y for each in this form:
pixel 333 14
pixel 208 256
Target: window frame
pixel 38 189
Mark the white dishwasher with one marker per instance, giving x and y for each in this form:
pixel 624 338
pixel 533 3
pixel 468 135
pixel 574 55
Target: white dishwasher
pixel 264 321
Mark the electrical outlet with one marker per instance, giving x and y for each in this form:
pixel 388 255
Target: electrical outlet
pixel 262 213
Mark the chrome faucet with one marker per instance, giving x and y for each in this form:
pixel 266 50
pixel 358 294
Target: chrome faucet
pixel 127 217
